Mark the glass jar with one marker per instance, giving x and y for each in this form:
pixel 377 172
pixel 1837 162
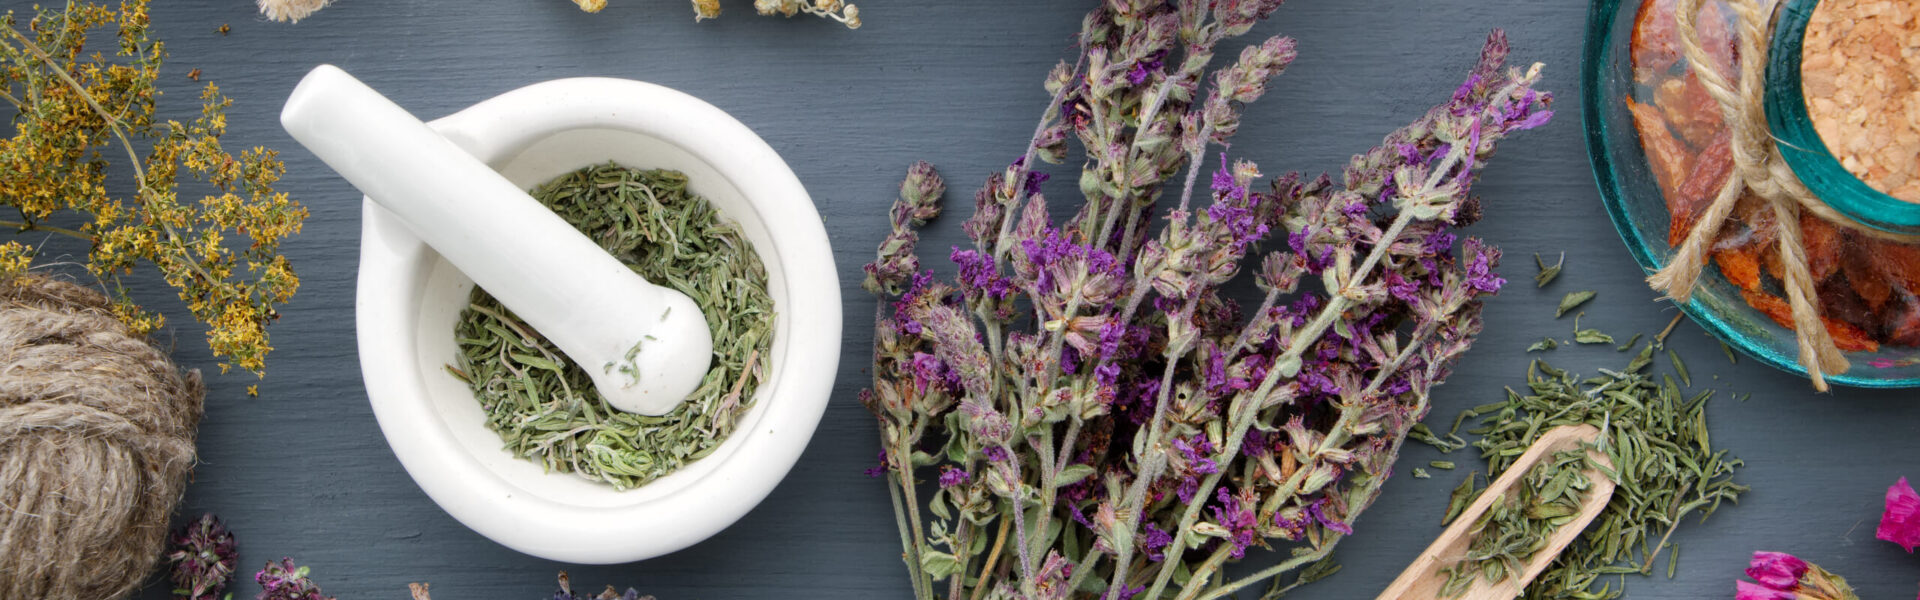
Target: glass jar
pixel 1646 171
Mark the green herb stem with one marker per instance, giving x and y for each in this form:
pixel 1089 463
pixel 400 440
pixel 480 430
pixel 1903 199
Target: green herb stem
pixel 25 226
pixel 910 550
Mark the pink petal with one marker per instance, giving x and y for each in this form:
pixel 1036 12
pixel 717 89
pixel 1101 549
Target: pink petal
pixel 1777 570
pixel 1752 591
pixel 1900 524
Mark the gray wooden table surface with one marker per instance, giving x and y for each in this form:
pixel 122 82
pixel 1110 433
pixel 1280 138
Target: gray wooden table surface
pixel 303 471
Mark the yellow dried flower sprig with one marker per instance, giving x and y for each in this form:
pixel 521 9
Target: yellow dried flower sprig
pixel 74 109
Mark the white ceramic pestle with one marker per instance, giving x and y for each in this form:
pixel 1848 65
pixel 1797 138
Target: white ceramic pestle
pixel 647 347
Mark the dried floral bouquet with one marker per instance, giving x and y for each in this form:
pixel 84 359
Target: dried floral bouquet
pixel 1095 418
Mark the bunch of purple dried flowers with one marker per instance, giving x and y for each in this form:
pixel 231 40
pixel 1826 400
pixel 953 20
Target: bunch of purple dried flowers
pixel 1092 407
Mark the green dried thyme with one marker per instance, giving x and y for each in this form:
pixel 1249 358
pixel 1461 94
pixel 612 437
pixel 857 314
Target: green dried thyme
pixel 1654 434
pixel 546 409
pixel 1520 525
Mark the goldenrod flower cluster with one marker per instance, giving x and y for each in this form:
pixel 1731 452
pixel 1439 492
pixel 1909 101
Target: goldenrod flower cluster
pixel 76 109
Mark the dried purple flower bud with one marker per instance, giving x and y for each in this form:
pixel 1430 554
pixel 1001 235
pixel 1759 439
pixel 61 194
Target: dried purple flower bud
pixel 1238 16
pixel 1242 83
pixel 919 202
pixel 922 189
pixel 1154 541
pixel 1481 259
pixel 1236 515
pixel 1051 145
pixel 566 593
pixel 950 477
pixel 881 468
pixel 958 345
pixel 285 581
pixel 1317 511
pixel 203 559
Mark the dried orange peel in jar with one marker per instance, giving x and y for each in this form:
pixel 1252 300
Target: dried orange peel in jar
pixel 1868 288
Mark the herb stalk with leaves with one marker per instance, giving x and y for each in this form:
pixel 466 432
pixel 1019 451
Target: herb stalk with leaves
pixel 1099 419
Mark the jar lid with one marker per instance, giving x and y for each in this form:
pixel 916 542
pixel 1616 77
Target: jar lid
pixel 1792 127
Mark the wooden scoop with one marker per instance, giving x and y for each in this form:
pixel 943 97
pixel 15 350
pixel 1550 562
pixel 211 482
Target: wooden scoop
pixel 1424 579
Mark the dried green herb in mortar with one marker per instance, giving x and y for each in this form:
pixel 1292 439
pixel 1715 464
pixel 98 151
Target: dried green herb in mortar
pixel 1511 531
pixel 546 409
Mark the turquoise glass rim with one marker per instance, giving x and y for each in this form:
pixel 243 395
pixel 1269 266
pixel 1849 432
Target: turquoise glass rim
pixel 1800 144
pixel 1619 164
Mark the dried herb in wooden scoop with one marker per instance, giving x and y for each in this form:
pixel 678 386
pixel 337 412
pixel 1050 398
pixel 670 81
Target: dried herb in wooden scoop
pixel 1496 546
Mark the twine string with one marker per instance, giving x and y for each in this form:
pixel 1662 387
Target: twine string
pixel 96 441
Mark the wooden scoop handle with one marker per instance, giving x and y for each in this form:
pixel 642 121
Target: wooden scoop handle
pixel 1424 579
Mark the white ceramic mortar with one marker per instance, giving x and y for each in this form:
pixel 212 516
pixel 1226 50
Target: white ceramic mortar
pixel 409 298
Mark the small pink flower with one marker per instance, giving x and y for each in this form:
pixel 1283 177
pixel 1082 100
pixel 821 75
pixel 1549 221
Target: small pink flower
pixel 1777 570
pixel 1900 524
pixel 1744 590
pixel 1782 576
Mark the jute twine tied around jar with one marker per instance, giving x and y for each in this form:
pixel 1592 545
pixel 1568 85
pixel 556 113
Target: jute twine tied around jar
pixel 1759 168
pixel 96 440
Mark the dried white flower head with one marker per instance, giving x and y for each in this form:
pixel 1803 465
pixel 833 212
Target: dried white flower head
pixel 291 11
pixel 838 10
pixel 592 6
pixel 705 9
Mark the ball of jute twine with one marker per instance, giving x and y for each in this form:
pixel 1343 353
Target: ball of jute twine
pixel 96 440
pixel 1759 168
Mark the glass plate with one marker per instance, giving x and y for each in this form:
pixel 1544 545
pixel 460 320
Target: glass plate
pixel 1639 213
